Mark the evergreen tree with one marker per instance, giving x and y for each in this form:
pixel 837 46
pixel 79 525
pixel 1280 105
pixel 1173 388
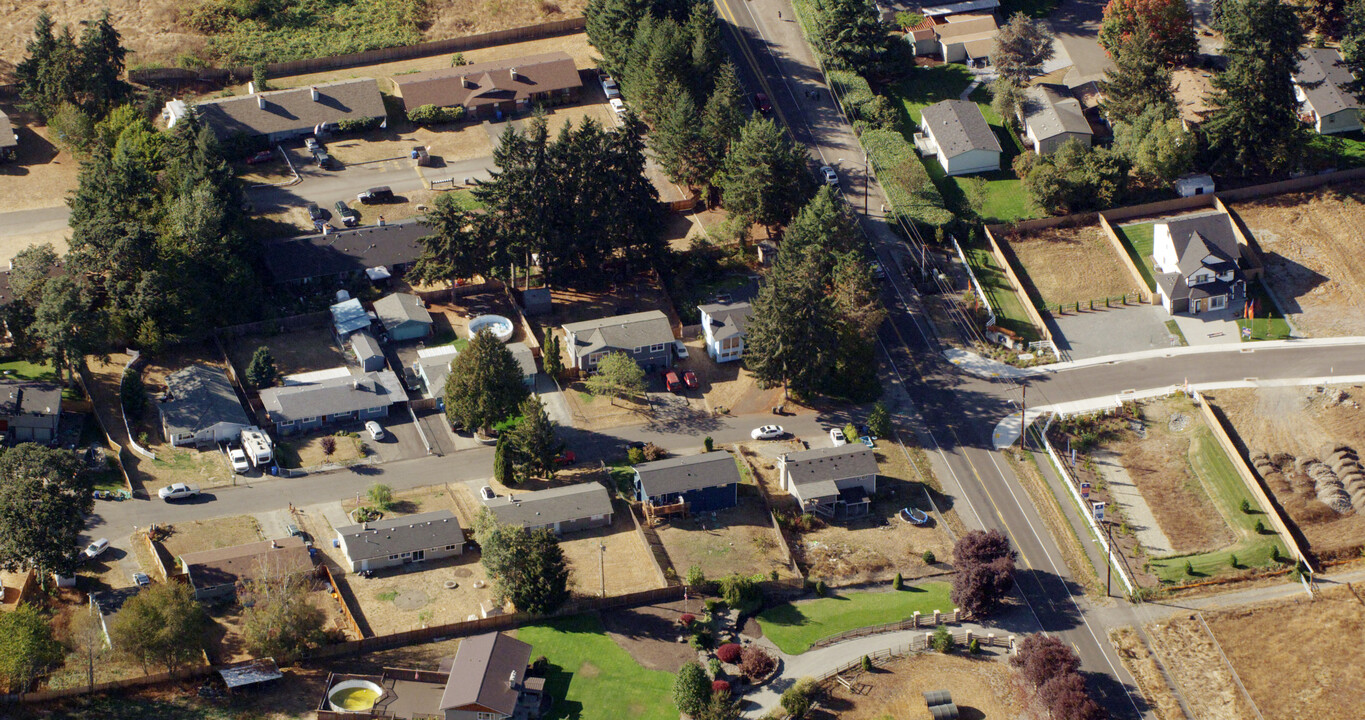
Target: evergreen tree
pixel 1022 46
pixel 458 247
pixel 678 144
pixel 1167 25
pixel 554 362
pixel 485 384
pixel 1006 97
pixel 527 567
pixel 1326 17
pixel 722 118
pixel 65 325
pixel 850 34
pixel 261 371
pixel 703 29
pixel 1254 129
pixel 533 445
pixel 691 689
pixel 1353 43
pixel 788 336
pixel 764 177
pixel 826 223
pixel 101 66
pixel 1138 81
pixel 610 25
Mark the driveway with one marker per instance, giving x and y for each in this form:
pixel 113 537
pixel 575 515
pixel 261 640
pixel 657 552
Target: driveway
pixel 401 440
pixel 1210 328
pixel 1116 331
pixel 1076 24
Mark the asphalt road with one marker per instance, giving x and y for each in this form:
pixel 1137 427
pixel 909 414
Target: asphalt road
pixel 37 220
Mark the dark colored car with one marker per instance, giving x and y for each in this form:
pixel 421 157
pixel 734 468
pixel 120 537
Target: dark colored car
pixel 263 156
pixel 316 213
pixel 690 379
pixel 376 195
pixel 761 102
pixel 671 381
pixel 349 217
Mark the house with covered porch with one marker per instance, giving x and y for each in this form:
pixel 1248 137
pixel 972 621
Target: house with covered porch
pixel 834 482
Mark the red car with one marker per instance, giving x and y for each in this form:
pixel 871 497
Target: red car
pixel 671 381
pixel 263 156
pixel 690 379
pixel 566 458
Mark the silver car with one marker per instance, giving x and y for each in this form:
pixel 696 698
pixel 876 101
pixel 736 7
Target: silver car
pixel 768 432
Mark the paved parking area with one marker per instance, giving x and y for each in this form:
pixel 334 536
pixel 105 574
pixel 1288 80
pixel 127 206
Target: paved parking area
pixel 401 441
pixel 1211 328
pixel 1125 329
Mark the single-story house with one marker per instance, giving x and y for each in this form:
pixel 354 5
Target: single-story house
pixel 398 540
pixel 432 367
pixel 366 350
pixel 495 88
pixel 1052 117
pixel 200 407
pixel 966 38
pixel 833 481
pixel 958 8
pixel 403 316
pixel 9 140
pixel 722 328
pixel 345 398
pixel 706 482
pixel 488 679
pixel 29 411
pixel 349 316
pixel 219 572
pixel 279 115
pixel 1322 85
pixel 956 132
pixel 1198 263
pixel 343 255
pixel 647 337
pixel 559 510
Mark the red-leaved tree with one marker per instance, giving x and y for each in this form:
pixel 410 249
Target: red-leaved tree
pixel 1066 696
pixel 1042 657
pixel 755 662
pixel 984 563
pixel 1169 23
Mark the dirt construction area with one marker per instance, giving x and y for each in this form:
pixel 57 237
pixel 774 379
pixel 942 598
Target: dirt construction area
pixel 981 688
pixel 1069 264
pixel 1310 243
pixel 1304 441
pixel 1320 640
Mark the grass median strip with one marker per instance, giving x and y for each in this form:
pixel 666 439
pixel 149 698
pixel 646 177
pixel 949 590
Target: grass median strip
pixel 794 627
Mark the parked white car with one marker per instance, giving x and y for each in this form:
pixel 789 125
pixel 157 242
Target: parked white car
pixel 238 459
pixel 831 177
pixel 373 428
pixel 486 492
pixel 681 349
pixel 97 548
pixel 837 436
pixel 618 107
pixel 177 491
pixel 610 87
pixel 768 432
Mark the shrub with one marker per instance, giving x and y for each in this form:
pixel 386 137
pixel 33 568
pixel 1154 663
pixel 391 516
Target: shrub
pixel 710 604
pixel 851 432
pixel 714 666
pixel 635 456
pixel 653 452
pixel 898 583
pixel 696 577
pixel 133 394
pixel 742 593
pixel 867 664
pixel 942 640
pixel 928 557
pixel 711 445
pixel 1189 568
pixel 687 619
pixel 1232 561
pixel 755 662
pixel 1246 506
pixel 820 588
pixel 1260 528
pixel 433 115
pixel 539 666
pixel 329 445
pixel 702 639
pixel 728 653
pixel 796 699
pixel 457 60
pixel 720 686
pixel 908 20
pixel 974 647
pixel 358 124
pixel 907 184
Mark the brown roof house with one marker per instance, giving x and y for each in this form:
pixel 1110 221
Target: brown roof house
pixel 966 38
pixel 282 114
pixel 494 89
pixel 219 572
pixel 488 679
pixel 9 140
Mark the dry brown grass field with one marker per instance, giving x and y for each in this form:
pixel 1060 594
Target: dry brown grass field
pixel 1067 265
pixel 981 688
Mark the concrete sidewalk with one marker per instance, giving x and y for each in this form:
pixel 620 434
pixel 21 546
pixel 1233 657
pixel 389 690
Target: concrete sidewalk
pixel 1198 350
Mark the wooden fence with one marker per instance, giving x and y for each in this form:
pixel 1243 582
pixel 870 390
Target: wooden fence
pixel 912 623
pixel 326 572
pixel 1008 267
pixel 120 450
pixel 1116 244
pixel 962 638
pixel 369 57
pixel 1252 481
pixel 449 294
pixel 141 681
pixel 278 325
pixel 653 549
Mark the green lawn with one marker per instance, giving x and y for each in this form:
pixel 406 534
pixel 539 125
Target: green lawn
pixel 794 627
pixel 23 370
pixel 1219 480
pixel 592 677
pixel 1137 240
pixel 1272 326
pixel 1004 198
pixel 1345 150
pixel 1009 308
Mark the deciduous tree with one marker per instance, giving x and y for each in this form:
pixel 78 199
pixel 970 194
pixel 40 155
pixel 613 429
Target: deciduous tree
pixel 527 566
pixel 27 648
pixel 1156 144
pixel 1042 657
pixel 161 625
pixel 279 621
pixel 985 571
pixel 617 375
pixel 1074 178
pixel 691 689
pixel 1167 23
pixel 485 384
pixel 1022 46
pixel 44 498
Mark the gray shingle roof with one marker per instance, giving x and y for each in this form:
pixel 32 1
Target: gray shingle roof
pixel 543 507
pixel 6 132
pixel 526 359
pixel 400 308
pixel 1324 78
pixel 365 347
pixel 488 82
pixel 622 332
pixel 958 127
pixel 293 109
pixel 1051 111
pixel 367 391
pixel 199 397
pixel 404 534
pixel 480 672
pixel 1198 236
pixel 831 463
pixel 29 398
pixel 344 251
pixel 678 475
pixel 728 320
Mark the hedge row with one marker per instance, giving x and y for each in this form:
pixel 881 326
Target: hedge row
pixel 433 115
pixel 907 184
pixel 852 90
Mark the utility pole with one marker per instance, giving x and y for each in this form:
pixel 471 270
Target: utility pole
pixel 1023 414
pixel 601 565
pixel 867 180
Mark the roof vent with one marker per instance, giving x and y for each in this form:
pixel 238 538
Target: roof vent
pixel 260 101
pixel 512 679
pixel 314 92
pixel 466 82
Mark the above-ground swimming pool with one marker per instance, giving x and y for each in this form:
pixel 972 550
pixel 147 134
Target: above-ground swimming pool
pixel 354 695
pixel 500 326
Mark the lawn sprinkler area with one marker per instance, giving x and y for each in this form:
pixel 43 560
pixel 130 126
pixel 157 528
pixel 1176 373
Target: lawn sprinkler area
pixel 795 626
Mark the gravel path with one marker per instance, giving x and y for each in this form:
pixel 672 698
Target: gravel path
pixel 1135 507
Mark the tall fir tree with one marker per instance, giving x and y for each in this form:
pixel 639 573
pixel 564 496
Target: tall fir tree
pixel 1139 79
pixel 764 177
pixel 850 34
pixel 788 338
pixel 533 445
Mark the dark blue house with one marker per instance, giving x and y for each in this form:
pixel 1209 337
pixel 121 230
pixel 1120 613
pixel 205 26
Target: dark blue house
pixel 704 483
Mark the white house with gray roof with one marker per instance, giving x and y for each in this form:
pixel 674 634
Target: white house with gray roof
pixel 956 133
pixel 201 408
pixel 647 337
pixel 1322 87
pixel 723 327
pixel 833 481
pixel 399 540
pixel 1198 263
pixel 349 397
pixel 559 510
pixel 1052 118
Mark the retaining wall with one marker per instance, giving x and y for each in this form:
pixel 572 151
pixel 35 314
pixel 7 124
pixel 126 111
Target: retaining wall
pixel 1007 265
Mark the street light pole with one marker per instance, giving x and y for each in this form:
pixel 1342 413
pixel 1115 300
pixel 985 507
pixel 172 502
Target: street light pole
pixel 867 180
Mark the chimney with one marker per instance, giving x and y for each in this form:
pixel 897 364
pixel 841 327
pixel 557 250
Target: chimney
pixel 514 74
pixel 274 545
pixel 512 680
pixel 250 87
pixel 314 92
pixel 466 82
pixel 260 101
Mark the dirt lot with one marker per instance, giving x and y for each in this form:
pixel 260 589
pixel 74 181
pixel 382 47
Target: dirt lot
pixel 1142 665
pixel 414 596
pixel 650 634
pixel 153 33
pixel 728 387
pixel 225 636
pixel 981 688
pixel 738 540
pixel 1262 642
pixel 197 535
pixel 1310 243
pixel 456 316
pixel 306 450
pixel 418 500
pixel 1066 265
pixel 297 351
pixel 1281 430
pixel 625 561
pixel 871 549
pixel 42 173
